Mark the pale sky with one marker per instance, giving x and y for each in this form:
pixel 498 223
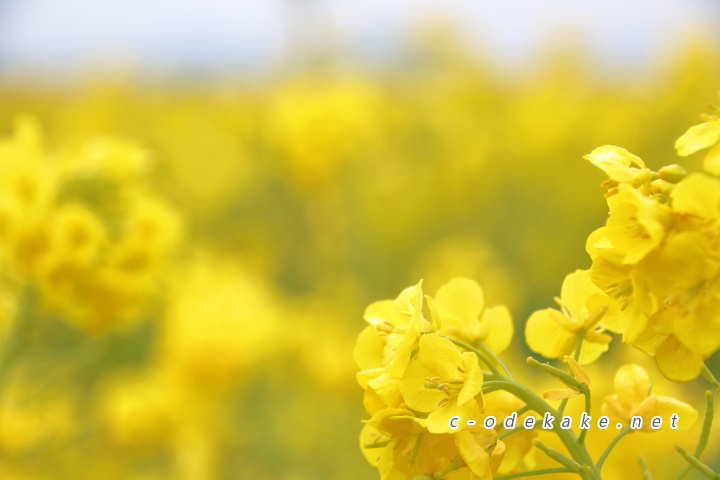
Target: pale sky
pixel 242 34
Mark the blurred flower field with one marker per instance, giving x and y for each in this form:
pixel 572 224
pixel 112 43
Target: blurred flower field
pixel 185 268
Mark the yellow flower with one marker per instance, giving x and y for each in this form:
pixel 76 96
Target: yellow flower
pixel 401 447
pixel 518 446
pixel 481 452
pixel 633 397
pixel 384 347
pixel 407 449
pixel 460 306
pixel 553 333
pixel 635 227
pixel 620 165
pixel 443 382
pixel 700 137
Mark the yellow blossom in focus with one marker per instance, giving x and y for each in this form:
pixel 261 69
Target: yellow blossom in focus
pixel 585 309
pixel 443 382
pixel 460 306
pixel 384 347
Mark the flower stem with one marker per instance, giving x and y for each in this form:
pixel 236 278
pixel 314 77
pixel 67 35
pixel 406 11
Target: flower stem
pixel 534 473
pixel 645 471
pixel 710 378
pixel 609 448
pixel 697 464
pixel 705 434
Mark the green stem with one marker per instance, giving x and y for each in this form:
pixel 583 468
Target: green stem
pixel 609 448
pixel 495 357
pixel 559 457
pixel 583 432
pixel 697 464
pixel 705 433
pixel 567 437
pixel 534 473
pixel 479 354
pixel 711 378
pixel 645 471
pixel 453 466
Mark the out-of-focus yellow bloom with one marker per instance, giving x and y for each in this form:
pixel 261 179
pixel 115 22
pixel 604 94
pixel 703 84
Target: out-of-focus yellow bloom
pixel 81 228
pixel 30 421
pixel 220 322
pixel 460 306
pixel 585 310
pixel 633 397
pixel 443 382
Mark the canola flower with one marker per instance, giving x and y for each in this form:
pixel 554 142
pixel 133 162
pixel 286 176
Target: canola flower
pixel 82 229
pixel 653 280
pixel 656 257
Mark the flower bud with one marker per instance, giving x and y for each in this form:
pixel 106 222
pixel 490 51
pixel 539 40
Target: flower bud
pixel 672 173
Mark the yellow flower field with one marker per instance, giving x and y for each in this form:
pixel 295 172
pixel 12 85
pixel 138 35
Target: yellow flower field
pixel 196 278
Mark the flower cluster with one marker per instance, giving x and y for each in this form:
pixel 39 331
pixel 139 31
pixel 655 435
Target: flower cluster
pixel 81 228
pixel 416 379
pixel 658 258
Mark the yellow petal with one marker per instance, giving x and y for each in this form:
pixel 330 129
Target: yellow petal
pixel 388 388
pixel 403 351
pixel 414 391
pixel 472 379
pixel 398 312
pixel 368 352
pixel 545 336
pixel 666 406
pixel 677 362
pixel 697 195
pixel 439 355
pixel 615 161
pixel 460 301
pixel 591 351
pixel 577 289
pixel 711 163
pixel 371 436
pixel 560 393
pixel 698 137
pixel 438 421
pixel 632 385
pixel 497 322
pixel 474 455
pixel 580 374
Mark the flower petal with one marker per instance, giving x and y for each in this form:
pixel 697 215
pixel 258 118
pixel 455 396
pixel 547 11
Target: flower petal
pixel 698 137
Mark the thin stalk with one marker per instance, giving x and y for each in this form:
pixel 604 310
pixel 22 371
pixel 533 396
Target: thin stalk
pixel 494 356
pixel 705 434
pixel 711 378
pixel 583 432
pixel 609 448
pixel 567 437
pixel 645 471
pixel 534 473
pixel 697 464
